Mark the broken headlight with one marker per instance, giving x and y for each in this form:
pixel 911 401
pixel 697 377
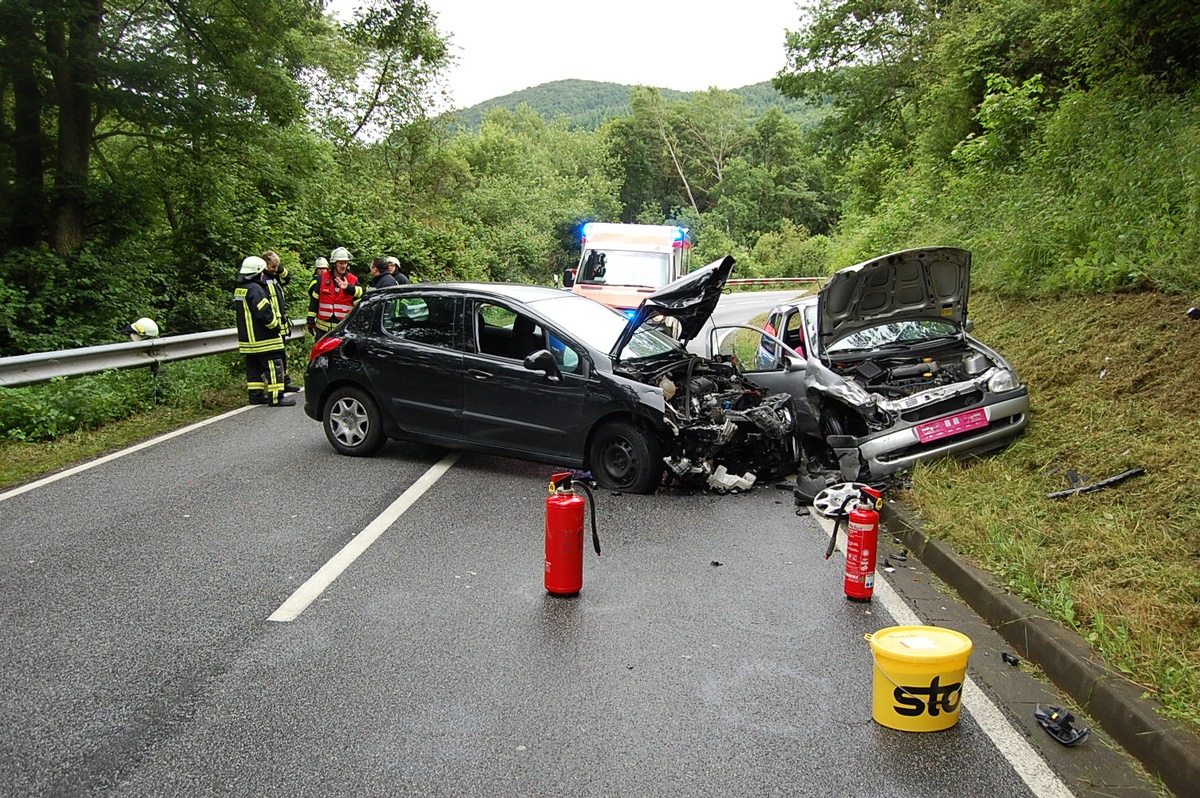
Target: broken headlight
pixel 1003 380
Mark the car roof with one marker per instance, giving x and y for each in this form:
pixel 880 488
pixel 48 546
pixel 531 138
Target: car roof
pixel 517 291
pixel 795 304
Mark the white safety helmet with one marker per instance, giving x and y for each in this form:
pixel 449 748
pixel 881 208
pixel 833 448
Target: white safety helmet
pixel 393 261
pixel 142 328
pixel 253 265
pixel 341 253
pixel 320 263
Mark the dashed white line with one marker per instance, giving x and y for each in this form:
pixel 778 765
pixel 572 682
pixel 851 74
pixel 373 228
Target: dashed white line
pixel 316 584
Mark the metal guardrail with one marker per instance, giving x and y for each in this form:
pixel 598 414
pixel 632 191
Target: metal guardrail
pixel 41 366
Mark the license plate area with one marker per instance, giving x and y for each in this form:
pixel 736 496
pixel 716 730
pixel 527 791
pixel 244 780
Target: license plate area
pixel 952 425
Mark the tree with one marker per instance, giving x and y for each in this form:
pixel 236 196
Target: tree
pixel 865 56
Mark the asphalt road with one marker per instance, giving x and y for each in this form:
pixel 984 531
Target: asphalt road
pixel 141 662
pixel 711 651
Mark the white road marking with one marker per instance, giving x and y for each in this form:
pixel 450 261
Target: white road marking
pixel 316 584
pixel 1024 759
pixel 110 457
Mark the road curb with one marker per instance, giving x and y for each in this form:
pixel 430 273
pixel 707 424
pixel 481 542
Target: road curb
pixel 1118 705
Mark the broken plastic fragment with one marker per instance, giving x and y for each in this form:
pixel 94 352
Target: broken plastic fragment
pixel 721 479
pixel 1009 658
pixel 1058 721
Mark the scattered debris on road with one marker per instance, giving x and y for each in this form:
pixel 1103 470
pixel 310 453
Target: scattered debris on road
pixel 1058 722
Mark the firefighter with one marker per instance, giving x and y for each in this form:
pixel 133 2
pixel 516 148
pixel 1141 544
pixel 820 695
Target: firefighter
pixel 258 336
pixel 337 292
pixel 320 267
pixel 276 279
pixel 394 268
pixel 381 275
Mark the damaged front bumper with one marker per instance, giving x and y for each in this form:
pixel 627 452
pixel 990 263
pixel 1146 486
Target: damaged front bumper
pixel 884 453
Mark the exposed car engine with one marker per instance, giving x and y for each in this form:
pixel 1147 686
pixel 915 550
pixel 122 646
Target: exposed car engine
pixel 717 419
pixel 893 378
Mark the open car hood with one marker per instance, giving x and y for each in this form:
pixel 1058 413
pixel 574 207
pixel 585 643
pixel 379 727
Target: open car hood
pixel 690 300
pixel 912 285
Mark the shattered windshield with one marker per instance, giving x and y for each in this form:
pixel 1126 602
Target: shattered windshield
pixel 893 334
pixel 599 326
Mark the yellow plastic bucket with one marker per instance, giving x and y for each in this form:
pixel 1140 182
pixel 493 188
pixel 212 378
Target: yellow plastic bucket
pixel 919 673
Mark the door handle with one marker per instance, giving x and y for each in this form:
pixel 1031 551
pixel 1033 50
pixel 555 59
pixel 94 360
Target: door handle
pixel 480 375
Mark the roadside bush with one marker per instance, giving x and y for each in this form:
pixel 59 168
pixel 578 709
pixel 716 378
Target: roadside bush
pixel 791 252
pixel 46 411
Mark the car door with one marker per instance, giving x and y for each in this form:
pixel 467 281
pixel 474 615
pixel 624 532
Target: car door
pixel 782 370
pixel 415 362
pixel 509 408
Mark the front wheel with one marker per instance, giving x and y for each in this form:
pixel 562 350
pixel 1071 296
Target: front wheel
pixel 625 457
pixel 352 423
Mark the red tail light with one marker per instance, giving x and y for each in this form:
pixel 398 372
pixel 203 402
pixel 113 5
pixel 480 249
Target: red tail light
pixel 324 346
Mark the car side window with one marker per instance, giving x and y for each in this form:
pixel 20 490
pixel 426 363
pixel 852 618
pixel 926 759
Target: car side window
pixel 503 332
pixel 792 334
pixel 422 319
pixel 569 361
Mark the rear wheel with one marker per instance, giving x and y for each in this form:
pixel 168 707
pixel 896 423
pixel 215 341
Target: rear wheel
pixel 352 422
pixel 625 457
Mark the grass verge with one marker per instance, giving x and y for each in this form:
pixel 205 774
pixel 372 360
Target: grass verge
pixel 1113 386
pixel 21 462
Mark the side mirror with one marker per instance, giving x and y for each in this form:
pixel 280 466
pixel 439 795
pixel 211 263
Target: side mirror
pixel 543 361
pixel 568 278
pixel 793 362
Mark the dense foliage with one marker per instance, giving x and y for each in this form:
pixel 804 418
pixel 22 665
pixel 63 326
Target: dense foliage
pixel 1055 139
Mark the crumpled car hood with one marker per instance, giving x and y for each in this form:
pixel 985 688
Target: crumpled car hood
pixel 691 300
pixel 912 285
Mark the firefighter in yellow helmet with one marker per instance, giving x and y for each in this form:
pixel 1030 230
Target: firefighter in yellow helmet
pixel 258 335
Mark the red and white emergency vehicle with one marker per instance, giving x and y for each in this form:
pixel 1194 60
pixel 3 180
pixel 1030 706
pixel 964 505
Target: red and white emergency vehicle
pixel 622 263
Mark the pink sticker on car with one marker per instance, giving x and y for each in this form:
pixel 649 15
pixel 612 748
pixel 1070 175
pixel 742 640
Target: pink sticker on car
pixel 952 425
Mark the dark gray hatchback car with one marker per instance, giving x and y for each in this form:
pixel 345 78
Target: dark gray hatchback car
pixel 539 374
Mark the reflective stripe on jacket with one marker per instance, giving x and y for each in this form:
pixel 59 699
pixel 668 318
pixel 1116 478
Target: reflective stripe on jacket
pixel 257 321
pixel 334 304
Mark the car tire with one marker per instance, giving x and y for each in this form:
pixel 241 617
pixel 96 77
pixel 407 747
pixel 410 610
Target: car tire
pixel 625 457
pixel 352 423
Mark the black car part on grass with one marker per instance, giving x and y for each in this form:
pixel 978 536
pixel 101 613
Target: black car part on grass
pixel 1079 485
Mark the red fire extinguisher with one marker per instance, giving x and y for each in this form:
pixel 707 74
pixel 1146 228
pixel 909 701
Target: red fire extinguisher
pixel 862 538
pixel 564 534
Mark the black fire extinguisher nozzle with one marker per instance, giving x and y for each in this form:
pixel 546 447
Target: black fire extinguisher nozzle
pixel 592 505
pixel 841 513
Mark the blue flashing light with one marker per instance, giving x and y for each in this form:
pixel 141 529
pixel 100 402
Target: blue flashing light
pixel 587 229
pixel 680 233
pixel 629 312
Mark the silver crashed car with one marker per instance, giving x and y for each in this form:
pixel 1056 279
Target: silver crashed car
pixel 882 368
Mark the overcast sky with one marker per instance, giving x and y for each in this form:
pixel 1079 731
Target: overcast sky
pixel 504 46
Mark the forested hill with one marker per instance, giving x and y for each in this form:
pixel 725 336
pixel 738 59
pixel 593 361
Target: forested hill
pixel 588 104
